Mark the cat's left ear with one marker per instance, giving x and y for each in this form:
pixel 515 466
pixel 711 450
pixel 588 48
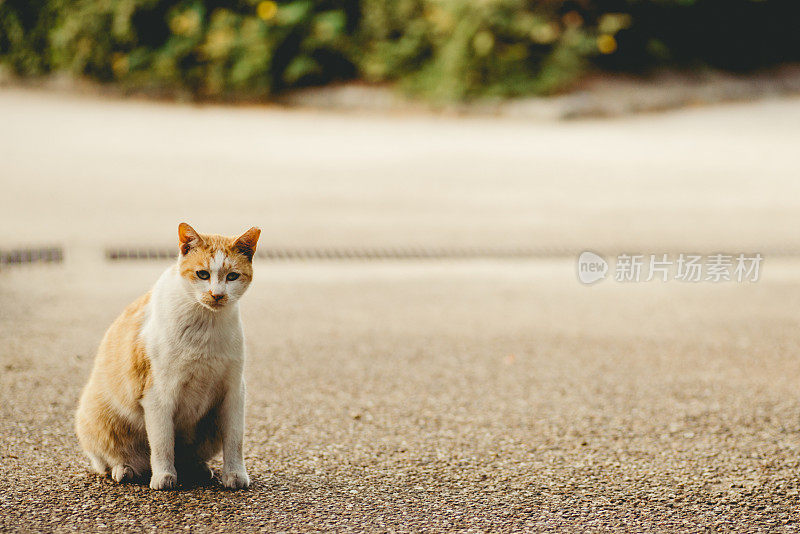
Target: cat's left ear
pixel 188 238
pixel 246 243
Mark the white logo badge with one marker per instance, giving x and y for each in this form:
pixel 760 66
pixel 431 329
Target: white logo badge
pixel 591 267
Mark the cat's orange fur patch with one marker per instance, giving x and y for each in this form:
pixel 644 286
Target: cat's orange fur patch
pixel 121 375
pixel 199 257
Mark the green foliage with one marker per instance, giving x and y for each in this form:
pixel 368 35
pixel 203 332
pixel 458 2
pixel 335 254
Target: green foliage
pixel 442 49
pixel 210 48
pixel 459 48
pixel 24 34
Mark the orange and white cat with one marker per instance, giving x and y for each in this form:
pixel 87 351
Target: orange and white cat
pixel 167 393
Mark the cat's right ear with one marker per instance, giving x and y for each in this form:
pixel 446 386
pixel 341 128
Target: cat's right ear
pixel 188 238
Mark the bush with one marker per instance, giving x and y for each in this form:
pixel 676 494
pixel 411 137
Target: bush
pixel 456 49
pixel 25 34
pixel 443 49
pixel 211 48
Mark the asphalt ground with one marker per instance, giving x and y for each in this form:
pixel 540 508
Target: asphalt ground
pixel 437 396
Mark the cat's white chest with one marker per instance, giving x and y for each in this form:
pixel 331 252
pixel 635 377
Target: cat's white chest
pixel 196 370
pixel 196 387
pixel 195 357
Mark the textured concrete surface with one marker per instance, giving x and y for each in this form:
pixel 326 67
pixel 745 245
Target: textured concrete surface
pixel 388 396
pixel 421 396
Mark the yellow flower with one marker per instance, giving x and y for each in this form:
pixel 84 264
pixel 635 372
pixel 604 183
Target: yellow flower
pixel 266 9
pixel 606 44
pixel 483 42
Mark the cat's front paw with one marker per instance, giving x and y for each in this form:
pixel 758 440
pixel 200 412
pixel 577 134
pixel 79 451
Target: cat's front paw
pixel 235 479
pixel 163 480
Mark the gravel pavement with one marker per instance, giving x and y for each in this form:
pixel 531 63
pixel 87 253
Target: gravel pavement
pixel 411 396
pixel 478 396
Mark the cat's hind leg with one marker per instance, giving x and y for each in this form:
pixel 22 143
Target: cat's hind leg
pixel 132 469
pixel 122 472
pixel 99 465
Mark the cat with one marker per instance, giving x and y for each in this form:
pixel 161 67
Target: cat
pixel 166 393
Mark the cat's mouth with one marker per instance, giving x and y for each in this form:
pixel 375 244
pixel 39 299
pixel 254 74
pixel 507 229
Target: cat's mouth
pixel 213 305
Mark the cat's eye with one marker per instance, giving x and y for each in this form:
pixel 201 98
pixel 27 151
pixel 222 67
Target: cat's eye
pixel 203 275
pixel 232 276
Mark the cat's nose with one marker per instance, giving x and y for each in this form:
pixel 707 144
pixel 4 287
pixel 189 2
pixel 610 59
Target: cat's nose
pixel 217 297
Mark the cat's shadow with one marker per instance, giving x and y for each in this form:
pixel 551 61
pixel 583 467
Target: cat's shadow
pixel 261 482
pixel 188 483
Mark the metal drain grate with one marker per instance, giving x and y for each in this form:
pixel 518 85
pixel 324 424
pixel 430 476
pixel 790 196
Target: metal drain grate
pixel 140 254
pixel 410 253
pixel 31 255
pixel 362 253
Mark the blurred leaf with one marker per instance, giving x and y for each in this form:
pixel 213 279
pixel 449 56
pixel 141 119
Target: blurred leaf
pixel 300 67
pixel 294 12
pixel 329 24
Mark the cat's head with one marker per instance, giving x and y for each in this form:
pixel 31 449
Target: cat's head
pixel 216 269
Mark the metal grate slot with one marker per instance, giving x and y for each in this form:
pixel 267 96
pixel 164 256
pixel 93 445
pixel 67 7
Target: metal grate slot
pixel 31 255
